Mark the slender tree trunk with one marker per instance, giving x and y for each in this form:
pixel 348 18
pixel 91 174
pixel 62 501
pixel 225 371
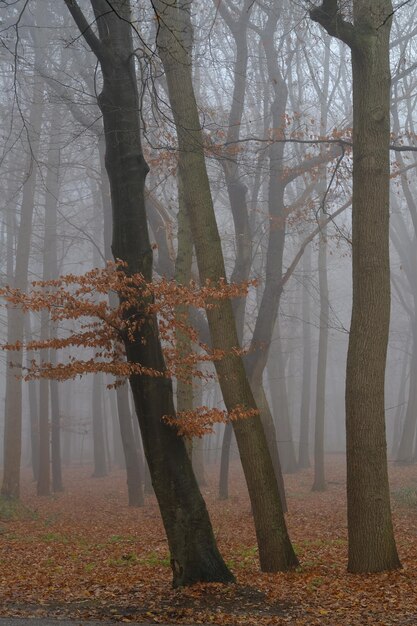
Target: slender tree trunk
pixel 279 395
pixel 134 472
pixel 319 483
pixel 56 458
pixel 49 430
pixel 118 454
pixel 304 444
pixel 399 413
pixel 12 442
pixel 174 43
pixel 33 386
pixel 405 451
pixel 225 462
pixel 44 474
pixel 100 465
pixel 237 192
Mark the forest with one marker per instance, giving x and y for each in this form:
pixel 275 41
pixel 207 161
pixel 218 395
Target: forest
pixel 208 307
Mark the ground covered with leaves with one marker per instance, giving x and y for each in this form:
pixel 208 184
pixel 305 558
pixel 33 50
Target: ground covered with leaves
pixel 85 554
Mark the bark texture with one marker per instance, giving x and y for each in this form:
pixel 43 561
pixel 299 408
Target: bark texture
pixel 174 44
pixel 371 540
pixel 194 554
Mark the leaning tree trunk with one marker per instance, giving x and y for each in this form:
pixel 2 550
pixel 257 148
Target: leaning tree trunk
pixel 133 464
pixel 174 44
pixel 194 554
pixel 371 539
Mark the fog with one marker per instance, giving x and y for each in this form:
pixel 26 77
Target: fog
pixel 274 100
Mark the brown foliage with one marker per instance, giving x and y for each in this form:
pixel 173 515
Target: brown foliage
pixel 98 330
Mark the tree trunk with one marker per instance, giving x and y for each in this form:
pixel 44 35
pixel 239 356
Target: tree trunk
pixel 194 554
pixel 33 386
pixel 132 460
pixel 225 462
pixel 279 396
pixel 371 540
pixel 100 465
pixel 134 472
pixel 12 442
pixel 44 474
pixel 174 43
pixel 405 451
pixel 49 430
pixel 319 483
pixel 304 444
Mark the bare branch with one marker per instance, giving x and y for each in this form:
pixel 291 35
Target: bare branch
pixel 85 29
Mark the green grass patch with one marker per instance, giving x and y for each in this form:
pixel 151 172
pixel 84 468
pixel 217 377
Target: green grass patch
pixel 154 559
pixel 55 538
pixel 121 539
pixel 12 509
pixel 406 496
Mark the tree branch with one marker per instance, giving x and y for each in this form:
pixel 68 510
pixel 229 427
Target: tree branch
pixel 85 29
pixel 328 16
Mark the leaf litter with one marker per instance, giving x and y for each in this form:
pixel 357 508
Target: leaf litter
pixel 85 554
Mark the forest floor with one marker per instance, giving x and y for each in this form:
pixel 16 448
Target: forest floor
pixel 85 554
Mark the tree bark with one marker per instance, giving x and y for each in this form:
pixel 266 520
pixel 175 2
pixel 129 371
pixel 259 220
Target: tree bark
pixel 12 442
pixel 371 540
pixel 100 464
pixel 133 464
pixel 304 444
pixel 194 554
pixel 174 45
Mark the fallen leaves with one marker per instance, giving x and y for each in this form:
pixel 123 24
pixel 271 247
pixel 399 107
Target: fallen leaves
pixel 85 554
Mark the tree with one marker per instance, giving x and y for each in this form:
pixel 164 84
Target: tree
pixel 371 540
pixel 15 323
pixel 174 44
pixel 194 554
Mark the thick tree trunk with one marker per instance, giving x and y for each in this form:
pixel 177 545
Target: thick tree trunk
pixel 194 554
pixel 174 42
pixel 132 460
pixel 371 540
